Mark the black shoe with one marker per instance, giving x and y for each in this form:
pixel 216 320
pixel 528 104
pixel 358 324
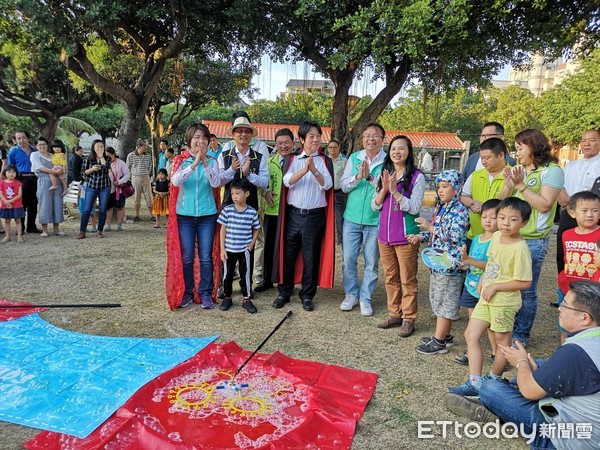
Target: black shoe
pixel 220 293
pixel 226 304
pixel 308 304
pixel 249 306
pixel 262 287
pixel 280 301
pixel 34 230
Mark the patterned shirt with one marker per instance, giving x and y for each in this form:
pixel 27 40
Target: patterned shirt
pixel 139 165
pixel 96 180
pixel 240 225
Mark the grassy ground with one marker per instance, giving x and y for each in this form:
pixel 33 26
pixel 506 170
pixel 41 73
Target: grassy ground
pixel 128 267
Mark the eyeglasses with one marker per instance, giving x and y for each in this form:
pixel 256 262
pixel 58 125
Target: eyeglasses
pixel 563 306
pixel 372 136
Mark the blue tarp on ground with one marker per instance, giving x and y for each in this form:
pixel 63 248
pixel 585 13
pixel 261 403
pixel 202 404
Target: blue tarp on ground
pixel 69 382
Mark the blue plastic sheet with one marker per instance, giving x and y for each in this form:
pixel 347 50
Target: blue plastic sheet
pixel 69 382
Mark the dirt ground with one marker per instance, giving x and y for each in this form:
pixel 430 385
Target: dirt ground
pixel 128 267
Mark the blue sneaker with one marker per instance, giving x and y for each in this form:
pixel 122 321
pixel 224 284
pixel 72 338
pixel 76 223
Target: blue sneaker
pixel 186 300
pixel 464 390
pixel 207 303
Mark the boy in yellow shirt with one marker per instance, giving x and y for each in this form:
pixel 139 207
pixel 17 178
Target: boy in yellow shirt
pixel 507 272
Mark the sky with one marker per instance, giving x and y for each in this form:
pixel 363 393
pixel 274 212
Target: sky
pixel 274 76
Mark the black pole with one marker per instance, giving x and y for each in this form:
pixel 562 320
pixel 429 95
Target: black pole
pixel 83 305
pixel 263 343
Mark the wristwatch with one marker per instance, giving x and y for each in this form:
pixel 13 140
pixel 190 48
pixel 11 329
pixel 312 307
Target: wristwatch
pixel 369 178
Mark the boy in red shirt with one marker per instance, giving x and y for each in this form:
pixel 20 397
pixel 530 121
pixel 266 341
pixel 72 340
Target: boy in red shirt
pixel 579 243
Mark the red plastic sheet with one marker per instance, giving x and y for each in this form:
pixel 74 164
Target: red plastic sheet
pixel 15 313
pixel 276 402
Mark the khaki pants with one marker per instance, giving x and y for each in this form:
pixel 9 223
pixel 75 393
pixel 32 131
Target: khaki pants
pixel 141 183
pixel 400 264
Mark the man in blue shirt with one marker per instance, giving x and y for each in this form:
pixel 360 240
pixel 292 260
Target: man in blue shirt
pixel 162 156
pixel 551 395
pixel 18 156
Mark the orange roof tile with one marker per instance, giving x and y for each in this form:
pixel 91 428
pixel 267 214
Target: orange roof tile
pixel 266 132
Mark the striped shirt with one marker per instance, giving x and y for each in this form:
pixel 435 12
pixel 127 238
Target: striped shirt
pixel 139 165
pixel 240 225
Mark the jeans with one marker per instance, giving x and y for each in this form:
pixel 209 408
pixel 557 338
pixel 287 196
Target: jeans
pixel 198 231
pixel 526 316
pixel 88 204
pixel 356 235
pixel 504 399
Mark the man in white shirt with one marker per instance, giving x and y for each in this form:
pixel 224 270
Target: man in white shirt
pixel 579 176
pixel 307 179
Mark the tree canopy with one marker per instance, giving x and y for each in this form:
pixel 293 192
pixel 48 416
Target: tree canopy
pixel 441 43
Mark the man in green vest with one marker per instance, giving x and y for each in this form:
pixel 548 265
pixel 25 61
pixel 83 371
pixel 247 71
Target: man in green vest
pixel 484 184
pixel 360 221
pixel 284 145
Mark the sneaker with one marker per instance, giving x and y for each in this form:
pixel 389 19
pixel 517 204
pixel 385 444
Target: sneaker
pixel 156 225
pixel 119 227
pixel 59 233
pixel 136 219
pixel 349 302
pixel 432 348
pixel 465 389
pixel 449 340
pixel 226 304
pixel 186 300
pixel 152 218
pixel 471 408
pixel 94 229
pixel 107 227
pixel 207 303
pixel 249 306
pixel 44 234
pixel 407 328
pixel 366 309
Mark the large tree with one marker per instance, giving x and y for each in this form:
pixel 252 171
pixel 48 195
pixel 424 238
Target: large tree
pixel 574 106
pixel 33 82
pixel 440 43
pixel 189 83
pixel 140 37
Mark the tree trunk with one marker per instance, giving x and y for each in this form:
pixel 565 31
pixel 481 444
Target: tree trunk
pixel 153 118
pixel 49 127
pixel 394 83
pixel 342 81
pixel 130 129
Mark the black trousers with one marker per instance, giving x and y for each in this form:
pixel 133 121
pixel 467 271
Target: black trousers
pixel 270 227
pixel 30 202
pixel 340 198
pixel 302 232
pixel 245 262
pixel 566 222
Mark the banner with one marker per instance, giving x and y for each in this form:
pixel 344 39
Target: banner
pixel 274 402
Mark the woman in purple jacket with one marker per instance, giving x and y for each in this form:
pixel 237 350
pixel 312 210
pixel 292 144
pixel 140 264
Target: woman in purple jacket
pixel 399 196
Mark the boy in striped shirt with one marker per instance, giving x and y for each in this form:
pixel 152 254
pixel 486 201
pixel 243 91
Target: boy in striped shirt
pixel 239 231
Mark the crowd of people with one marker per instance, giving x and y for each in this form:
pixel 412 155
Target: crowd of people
pixel 274 219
